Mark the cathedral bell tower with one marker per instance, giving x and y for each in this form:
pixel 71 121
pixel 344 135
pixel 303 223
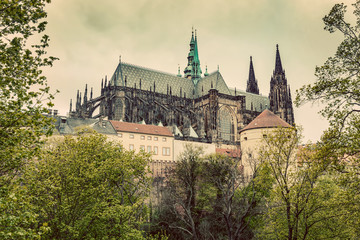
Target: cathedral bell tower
pixel 280 96
pixel 193 70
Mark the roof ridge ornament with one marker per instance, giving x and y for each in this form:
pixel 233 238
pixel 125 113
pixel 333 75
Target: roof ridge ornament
pixel 206 72
pixel 179 74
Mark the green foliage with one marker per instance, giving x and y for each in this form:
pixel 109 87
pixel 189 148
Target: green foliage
pixel 208 198
pixel 23 88
pixel 337 86
pixel 338 79
pixel 18 219
pixel 302 200
pixel 89 188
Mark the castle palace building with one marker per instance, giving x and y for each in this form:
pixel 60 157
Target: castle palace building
pixel 195 105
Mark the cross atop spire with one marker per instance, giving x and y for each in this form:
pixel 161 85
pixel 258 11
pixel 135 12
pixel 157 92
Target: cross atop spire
pixel 252 85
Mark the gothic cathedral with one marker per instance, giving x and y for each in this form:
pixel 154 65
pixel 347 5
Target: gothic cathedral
pixel 196 106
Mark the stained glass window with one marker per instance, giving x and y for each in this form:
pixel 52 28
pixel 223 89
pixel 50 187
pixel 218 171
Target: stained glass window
pixel 226 125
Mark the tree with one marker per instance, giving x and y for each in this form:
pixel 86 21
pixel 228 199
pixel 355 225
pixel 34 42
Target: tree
pixel 207 197
pixel 86 187
pixel 304 196
pixel 181 213
pixel 23 88
pixel 238 200
pixel 337 86
pixel 22 92
pixel 338 79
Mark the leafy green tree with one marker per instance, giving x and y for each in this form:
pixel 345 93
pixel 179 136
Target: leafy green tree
pixel 337 87
pixel 338 79
pixel 18 218
pixel 23 88
pixel 86 187
pixel 303 199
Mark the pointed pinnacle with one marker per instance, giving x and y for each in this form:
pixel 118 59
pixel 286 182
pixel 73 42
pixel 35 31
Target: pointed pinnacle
pixel 278 65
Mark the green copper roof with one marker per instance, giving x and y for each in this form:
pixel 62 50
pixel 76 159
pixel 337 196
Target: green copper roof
pixel 254 102
pixel 214 80
pixel 130 75
pixel 193 70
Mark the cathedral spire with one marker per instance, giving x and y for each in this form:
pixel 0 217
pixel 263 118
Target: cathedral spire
pixel 278 66
pixel 280 96
pixel 193 70
pixel 252 86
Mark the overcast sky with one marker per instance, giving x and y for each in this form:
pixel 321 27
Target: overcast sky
pixel 89 36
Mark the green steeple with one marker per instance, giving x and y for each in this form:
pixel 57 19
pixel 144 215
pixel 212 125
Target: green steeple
pixel 193 70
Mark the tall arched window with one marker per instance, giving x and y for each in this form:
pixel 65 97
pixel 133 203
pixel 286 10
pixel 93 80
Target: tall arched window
pixel 226 125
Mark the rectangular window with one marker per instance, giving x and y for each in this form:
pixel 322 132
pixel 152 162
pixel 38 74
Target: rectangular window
pixel 155 150
pixel 149 149
pixel 166 151
pixel 131 136
pixel 149 138
pixel 142 137
pixel 164 139
pixel 155 138
pixel 142 147
pixel 120 135
pixel 131 147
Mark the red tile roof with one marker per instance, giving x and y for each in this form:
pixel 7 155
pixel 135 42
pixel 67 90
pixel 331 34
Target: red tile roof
pixel 140 128
pixel 229 152
pixel 266 119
